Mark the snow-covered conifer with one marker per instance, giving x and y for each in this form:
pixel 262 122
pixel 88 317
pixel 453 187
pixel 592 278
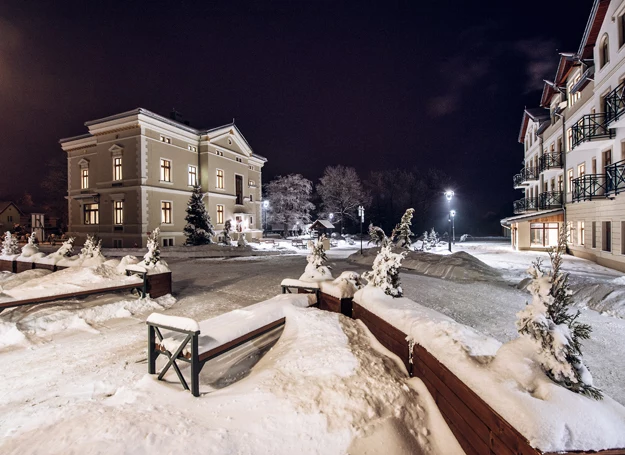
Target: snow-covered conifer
pixel 402 232
pixel 91 248
pixel 317 257
pixel 434 238
pixel 556 331
pixel 226 232
pixel 153 256
pixel 9 245
pixel 66 249
pixel 377 235
pixel 385 272
pixel 199 229
pixel 426 241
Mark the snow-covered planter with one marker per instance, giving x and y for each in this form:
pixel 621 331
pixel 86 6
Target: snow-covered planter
pixel 337 295
pixel 30 251
pixel 508 378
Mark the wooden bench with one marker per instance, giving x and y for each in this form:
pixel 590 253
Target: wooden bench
pixel 195 343
pixel 298 243
pixel 291 286
pixel 269 241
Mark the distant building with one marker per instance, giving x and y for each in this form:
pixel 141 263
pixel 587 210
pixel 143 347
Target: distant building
pixel 134 171
pixel 9 216
pixel 574 173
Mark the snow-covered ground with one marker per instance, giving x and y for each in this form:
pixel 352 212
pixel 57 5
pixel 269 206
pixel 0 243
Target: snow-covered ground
pixel 80 385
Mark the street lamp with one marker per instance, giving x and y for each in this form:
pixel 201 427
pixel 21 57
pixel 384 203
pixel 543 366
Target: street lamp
pixel 361 214
pixel 265 207
pixel 449 194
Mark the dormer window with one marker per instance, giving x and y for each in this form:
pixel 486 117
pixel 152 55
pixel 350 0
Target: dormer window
pixel 604 51
pixel 573 97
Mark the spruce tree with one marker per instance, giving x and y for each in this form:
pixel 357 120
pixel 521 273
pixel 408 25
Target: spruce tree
pixel 198 230
pixel 555 330
pixel 153 256
pixel 9 245
pixel 402 232
pixel 385 272
pixel 377 235
pixel 317 256
pixel 426 241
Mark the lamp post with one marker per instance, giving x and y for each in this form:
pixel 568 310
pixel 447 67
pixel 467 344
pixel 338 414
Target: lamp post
pixel 448 195
pixel 361 213
pixel 453 226
pixel 265 207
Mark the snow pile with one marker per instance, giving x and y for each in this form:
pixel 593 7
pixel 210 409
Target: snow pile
pixel 18 325
pixel 90 254
pixel 175 322
pixel 62 256
pixel 344 287
pixel 608 299
pixel 30 251
pixel 10 280
pixel 508 377
pixel 70 280
pixel 459 266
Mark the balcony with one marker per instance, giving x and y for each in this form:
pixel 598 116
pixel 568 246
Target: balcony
pixel 551 160
pixel 615 103
pixel 550 200
pixel 615 178
pixel 591 127
pixel 525 205
pixel 589 187
pixel 518 180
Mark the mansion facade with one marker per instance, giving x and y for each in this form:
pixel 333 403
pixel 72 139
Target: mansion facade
pixel 574 145
pixel 134 172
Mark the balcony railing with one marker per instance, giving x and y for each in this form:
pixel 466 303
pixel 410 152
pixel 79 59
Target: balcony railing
pixel 527 204
pixel 518 180
pixel 615 103
pixel 591 127
pixel 550 200
pixel 551 160
pixel 527 174
pixel 615 177
pixel 588 187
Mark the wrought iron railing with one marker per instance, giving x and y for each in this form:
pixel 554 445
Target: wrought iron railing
pixel 527 204
pixel 550 200
pixel 591 126
pixel 518 179
pixel 530 173
pixel 615 177
pixel 588 187
pixel 551 160
pixel 615 103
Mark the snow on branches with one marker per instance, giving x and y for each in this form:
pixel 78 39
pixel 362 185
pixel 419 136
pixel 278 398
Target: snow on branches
pixel 9 245
pixel 199 229
pixel 402 233
pixel 556 331
pixel 242 241
pixel 377 235
pixel 153 256
pixel 66 249
pixel 91 249
pixel 317 257
pixel 226 232
pixel 385 272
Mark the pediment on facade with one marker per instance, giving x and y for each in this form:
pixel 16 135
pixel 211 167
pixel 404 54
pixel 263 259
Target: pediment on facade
pixel 229 137
pixel 116 149
pixel 84 162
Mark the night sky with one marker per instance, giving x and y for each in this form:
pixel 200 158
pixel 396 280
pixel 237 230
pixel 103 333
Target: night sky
pixel 372 85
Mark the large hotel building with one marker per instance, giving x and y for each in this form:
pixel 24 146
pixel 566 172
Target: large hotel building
pixel 134 171
pixel 574 143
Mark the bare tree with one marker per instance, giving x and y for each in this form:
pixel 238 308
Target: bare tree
pixel 289 200
pixel 341 193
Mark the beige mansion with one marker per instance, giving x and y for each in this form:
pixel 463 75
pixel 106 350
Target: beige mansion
pixel 134 171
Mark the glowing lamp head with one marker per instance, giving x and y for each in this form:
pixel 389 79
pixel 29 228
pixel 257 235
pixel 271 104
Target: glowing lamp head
pixel 449 194
pixel 265 203
pixel 452 213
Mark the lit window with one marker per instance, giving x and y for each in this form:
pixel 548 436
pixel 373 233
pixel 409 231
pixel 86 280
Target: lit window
pixel 570 180
pixel 580 233
pixel 118 212
pixel 220 214
pixel 192 148
pixel 218 153
pixel 581 170
pixel 574 97
pixel 220 179
pixel 252 183
pixel 84 178
pixel 91 213
pixel 192 175
pixel 165 212
pixel 117 168
pixel 569 139
pixel 166 140
pixel 165 171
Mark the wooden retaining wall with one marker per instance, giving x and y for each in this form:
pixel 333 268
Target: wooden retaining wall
pixel 159 284
pixel 335 305
pixel 8 266
pixel 477 427
pixel 22 266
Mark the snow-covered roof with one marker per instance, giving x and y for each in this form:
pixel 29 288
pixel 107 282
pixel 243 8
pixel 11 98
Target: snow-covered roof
pixel 323 223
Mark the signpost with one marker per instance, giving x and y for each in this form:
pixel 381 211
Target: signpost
pixel 361 214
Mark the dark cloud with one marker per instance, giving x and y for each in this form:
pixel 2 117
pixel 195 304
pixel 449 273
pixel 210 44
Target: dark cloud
pixel 542 60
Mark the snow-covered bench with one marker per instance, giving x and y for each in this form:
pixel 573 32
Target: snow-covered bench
pixel 187 340
pixel 289 285
pixel 298 243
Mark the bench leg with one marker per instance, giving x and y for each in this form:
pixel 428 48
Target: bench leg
pixel 195 367
pixel 284 289
pixel 152 353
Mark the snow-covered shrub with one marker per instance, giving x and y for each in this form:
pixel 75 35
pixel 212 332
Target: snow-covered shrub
pixel 66 249
pixel 31 247
pixel 426 241
pixel 199 229
pixel 317 258
pixel 242 241
pixel 226 232
pixel 9 245
pixel 385 273
pixel 91 248
pixel 434 238
pixel 377 235
pixel 464 237
pixel 555 331
pixel 153 256
pixel 402 233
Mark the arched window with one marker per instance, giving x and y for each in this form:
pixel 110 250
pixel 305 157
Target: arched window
pixel 604 52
